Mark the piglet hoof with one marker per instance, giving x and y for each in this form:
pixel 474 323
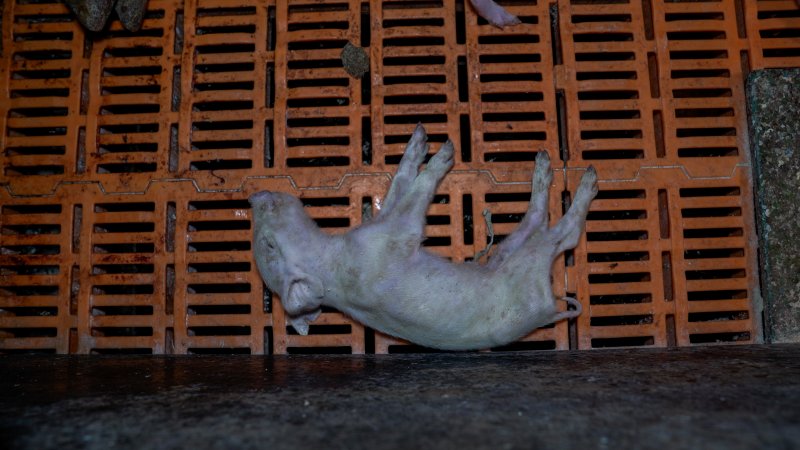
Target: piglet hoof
pixel 588 186
pixel 442 161
pixel 417 146
pixel 542 175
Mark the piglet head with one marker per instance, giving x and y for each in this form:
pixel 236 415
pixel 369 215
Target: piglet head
pixel 287 243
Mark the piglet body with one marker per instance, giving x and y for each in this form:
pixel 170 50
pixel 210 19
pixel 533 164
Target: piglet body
pixel 380 275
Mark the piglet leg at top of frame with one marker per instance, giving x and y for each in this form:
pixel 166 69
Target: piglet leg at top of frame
pixel 535 217
pixel 494 13
pixel 407 171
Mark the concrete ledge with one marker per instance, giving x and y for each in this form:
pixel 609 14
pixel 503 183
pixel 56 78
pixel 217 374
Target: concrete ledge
pixel 721 397
pixel 774 105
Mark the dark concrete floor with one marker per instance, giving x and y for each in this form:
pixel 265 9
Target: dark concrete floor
pixel 713 397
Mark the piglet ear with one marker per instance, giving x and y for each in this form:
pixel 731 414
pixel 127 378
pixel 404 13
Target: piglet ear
pixel 300 323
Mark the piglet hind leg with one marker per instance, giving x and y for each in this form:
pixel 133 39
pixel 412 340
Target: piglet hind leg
pixel 407 171
pixel 535 219
pixel 411 209
pixel 568 230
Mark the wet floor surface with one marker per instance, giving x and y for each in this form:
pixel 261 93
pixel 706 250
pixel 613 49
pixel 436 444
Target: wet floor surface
pixel 720 397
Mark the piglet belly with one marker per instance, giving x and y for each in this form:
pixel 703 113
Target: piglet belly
pixel 445 310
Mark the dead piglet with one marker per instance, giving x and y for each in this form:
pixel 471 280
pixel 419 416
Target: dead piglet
pixel 380 275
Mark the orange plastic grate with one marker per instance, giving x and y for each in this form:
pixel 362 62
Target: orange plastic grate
pixel 128 157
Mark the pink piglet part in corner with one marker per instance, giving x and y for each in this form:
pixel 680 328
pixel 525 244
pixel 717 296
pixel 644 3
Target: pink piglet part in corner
pixel 494 13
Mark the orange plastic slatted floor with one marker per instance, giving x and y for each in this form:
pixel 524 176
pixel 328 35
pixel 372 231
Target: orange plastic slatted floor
pixel 128 157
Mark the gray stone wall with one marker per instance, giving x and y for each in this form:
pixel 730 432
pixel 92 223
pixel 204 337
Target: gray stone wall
pixel 774 104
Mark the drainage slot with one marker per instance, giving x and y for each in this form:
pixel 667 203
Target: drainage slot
pixel 416 118
pixel 611 75
pixel 666 274
pixel 513 97
pixel 602 37
pixel 123 289
pixel 122 311
pixel 219 225
pixel 698 54
pixel 333 222
pixel 436 241
pixel 613 278
pixel 125 227
pixel 40 332
pixel 222 145
pixel 30 250
pixel 502 157
pixel 705 233
pixel 718 274
pixel 617 257
pixel 643 319
pixel 704 132
pixel 526 346
pixel 317 102
pixel 707 152
pixel 219 331
pixel 221 164
pixel 505 39
pixel 463 82
pixel 616 236
pixel 318 162
pixel 610 114
pixel 414 99
pixel 230 105
pixel 605 56
pixel 320 141
pixel 637 341
pixel 414 61
pixel 322 329
pixel 608 95
pixel 716 295
pixel 617 215
pixel 74 289
pixel 31 229
pixel 226 246
pixel 718 316
pixel 217 288
pixel 694 35
pixel 465 137
pixel 27 290
pixel 510 77
pixel 620 299
pixel 126 168
pixel 204 205
pixel 715 253
pixel 510 58
pixel 204 310
pixel 509 136
pixel 702 16
pixel 102 269
pixel 45 311
pixel 611 134
pixel 719 337
pixel 29 270
pixel 124 248
pixel 711 212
